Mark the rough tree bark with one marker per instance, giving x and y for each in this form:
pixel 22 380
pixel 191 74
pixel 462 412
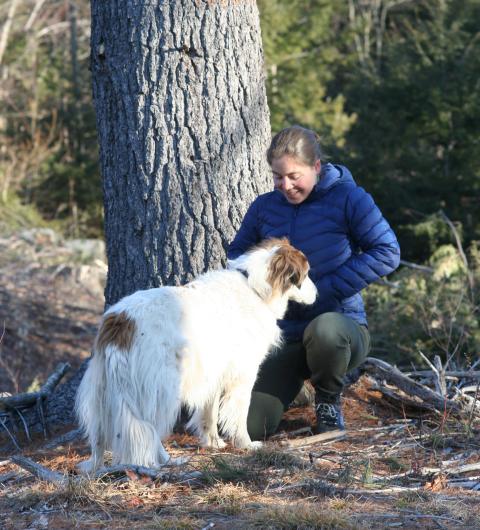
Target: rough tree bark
pixel 183 127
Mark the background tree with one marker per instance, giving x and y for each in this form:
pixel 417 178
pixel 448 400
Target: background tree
pixel 302 57
pixel 48 143
pixel 183 127
pixel 414 143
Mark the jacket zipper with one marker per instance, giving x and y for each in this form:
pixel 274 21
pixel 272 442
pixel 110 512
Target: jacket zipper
pixel 293 224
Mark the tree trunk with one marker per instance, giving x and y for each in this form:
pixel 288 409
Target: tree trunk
pixel 183 127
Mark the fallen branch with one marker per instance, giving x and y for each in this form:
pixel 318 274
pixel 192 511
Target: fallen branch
pixel 317 438
pixel 40 471
pixel 64 438
pixel 382 370
pixel 55 477
pixel 296 432
pixel 153 474
pixel 5 477
pixel 27 399
pixel 459 374
pixel 473 485
pixel 399 399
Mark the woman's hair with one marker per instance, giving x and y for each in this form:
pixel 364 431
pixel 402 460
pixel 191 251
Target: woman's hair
pixel 298 142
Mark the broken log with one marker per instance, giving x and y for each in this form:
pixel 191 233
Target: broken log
pixel 391 374
pixel 27 399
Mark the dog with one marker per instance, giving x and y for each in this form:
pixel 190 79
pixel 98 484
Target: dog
pixel 199 345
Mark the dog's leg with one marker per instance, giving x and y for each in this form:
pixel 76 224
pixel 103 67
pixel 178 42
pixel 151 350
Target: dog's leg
pixel 204 422
pixel 210 436
pixel 96 461
pixel 91 416
pixel 234 411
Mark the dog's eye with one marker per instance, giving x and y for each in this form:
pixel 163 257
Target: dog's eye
pixel 296 279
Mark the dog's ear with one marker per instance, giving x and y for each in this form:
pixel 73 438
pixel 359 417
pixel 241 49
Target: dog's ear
pixel 288 266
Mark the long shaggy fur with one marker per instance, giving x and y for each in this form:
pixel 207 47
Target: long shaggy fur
pixel 200 345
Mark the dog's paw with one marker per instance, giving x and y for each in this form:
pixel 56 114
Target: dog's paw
pixel 213 441
pixel 219 443
pixel 86 467
pixel 177 461
pixel 247 444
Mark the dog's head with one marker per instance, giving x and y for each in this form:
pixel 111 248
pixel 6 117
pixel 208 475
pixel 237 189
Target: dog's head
pixel 276 270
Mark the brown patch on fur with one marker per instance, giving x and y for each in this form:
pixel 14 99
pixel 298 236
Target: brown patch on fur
pixel 116 329
pixel 288 267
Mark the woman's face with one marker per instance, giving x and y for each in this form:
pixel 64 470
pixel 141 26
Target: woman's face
pixel 294 179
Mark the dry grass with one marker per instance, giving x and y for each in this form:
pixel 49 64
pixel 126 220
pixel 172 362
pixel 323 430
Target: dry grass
pixel 230 499
pixel 302 516
pixel 342 485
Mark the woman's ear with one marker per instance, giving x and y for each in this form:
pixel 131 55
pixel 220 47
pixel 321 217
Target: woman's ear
pixel 318 167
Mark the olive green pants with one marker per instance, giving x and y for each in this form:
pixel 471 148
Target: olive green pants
pixel 332 345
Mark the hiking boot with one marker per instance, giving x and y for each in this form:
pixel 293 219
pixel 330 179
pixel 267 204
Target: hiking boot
pixel 329 416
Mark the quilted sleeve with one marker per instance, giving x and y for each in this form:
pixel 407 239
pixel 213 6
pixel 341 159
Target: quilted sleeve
pixel 378 250
pixel 247 234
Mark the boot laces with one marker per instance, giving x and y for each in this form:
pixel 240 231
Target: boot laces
pixel 327 410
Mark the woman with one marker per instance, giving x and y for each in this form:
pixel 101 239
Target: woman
pixel 349 244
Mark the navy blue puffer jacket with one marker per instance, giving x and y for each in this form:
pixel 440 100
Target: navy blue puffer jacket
pixel 342 232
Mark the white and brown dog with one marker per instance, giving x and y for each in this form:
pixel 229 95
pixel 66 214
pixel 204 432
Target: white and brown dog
pixel 200 345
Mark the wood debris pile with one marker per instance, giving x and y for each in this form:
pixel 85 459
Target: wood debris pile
pixel 438 391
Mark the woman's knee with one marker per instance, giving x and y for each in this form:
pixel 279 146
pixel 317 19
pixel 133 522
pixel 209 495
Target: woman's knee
pixel 327 332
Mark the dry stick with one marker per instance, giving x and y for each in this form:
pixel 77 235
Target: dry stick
pixel 458 374
pixel 8 476
pixel 12 437
pixel 324 437
pixel 281 435
pixel 30 398
pixel 458 241
pixel 465 484
pixel 6 27
pixel 154 474
pixel 64 438
pixel 33 14
pixel 40 471
pixel 437 369
pixel 48 475
pixel 474 406
pixel 424 471
pixel 409 386
pixel 472 402
pixel 422 268
pixel 442 384
pixel 404 400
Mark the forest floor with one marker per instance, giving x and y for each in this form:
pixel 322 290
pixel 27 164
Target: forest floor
pixel 392 469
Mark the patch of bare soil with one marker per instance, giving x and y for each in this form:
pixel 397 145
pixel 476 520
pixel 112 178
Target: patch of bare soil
pixel 390 470
pixel 50 305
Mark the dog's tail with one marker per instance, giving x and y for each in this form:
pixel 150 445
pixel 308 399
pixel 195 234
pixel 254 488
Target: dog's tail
pixel 89 405
pixel 125 402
